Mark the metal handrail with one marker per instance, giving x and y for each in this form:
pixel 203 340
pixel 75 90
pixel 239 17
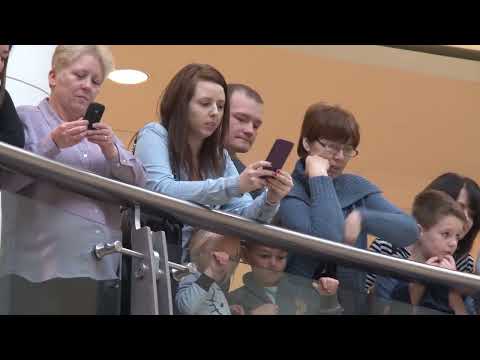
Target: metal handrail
pixel 116 192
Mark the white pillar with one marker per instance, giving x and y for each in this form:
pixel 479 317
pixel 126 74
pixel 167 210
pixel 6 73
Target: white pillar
pixel 27 73
pixel 27 76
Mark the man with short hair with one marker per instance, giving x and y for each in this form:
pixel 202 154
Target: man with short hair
pixel 246 114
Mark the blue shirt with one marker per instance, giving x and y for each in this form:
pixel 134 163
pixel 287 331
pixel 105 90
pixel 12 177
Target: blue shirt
pixel 222 193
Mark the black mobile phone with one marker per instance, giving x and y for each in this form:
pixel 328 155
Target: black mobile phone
pixel 279 154
pixel 94 114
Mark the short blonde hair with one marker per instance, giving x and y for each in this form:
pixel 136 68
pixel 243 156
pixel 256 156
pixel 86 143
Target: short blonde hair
pixel 65 55
pixel 203 243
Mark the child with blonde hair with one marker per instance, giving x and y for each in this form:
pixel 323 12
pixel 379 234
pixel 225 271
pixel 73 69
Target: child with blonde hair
pixel 215 257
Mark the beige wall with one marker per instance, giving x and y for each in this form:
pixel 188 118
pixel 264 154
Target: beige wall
pixel 416 122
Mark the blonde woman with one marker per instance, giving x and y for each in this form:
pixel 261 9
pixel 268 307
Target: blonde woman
pixel 51 231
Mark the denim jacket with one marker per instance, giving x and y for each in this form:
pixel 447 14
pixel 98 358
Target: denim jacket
pixel 221 193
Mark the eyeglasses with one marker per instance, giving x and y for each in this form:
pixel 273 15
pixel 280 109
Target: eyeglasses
pixel 334 148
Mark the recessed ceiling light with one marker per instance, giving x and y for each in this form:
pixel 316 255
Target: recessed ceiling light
pixel 128 76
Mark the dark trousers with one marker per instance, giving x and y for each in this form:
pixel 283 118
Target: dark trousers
pixel 77 296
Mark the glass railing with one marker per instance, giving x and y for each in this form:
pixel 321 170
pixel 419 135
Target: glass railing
pixel 237 288
pixel 33 257
pixel 394 295
pixel 47 264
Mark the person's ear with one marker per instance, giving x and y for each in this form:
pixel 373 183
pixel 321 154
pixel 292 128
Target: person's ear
pixel 421 230
pixel 52 79
pixel 306 144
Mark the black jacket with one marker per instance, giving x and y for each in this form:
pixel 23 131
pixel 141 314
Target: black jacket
pixel 11 129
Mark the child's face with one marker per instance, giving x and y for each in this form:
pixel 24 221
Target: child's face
pixel 442 238
pixel 267 263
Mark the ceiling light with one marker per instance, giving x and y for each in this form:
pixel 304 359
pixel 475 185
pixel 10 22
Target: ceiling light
pixel 128 76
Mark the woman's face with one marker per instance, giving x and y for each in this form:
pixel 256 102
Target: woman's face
pixel 3 56
pixel 336 153
pixel 77 85
pixel 465 203
pixel 206 109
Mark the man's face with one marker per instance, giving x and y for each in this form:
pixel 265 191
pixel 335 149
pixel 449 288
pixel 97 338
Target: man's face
pixel 245 119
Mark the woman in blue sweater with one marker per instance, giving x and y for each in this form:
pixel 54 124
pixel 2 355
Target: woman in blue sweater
pixel 184 154
pixel 329 204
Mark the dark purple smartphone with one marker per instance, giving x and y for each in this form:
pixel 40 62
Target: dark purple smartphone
pixel 279 154
pixel 94 114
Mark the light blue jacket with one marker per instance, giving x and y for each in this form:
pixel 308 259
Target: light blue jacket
pixel 198 294
pixel 216 193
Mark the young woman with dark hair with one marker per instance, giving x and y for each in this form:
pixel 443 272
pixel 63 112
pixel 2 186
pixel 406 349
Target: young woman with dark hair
pixel 184 154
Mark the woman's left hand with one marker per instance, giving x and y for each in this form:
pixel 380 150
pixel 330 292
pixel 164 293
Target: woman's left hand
pixel 102 135
pixel 353 227
pixel 278 186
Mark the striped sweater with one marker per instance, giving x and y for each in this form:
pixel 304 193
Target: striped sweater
pixel 464 264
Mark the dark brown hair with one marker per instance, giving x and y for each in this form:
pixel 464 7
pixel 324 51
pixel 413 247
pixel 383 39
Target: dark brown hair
pixel 430 206
pixel 330 123
pixel 452 184
pixel 174 112
pixel 247 90
pixel 3 78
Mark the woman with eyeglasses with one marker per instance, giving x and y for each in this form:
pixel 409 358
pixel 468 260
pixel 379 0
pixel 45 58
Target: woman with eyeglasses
pixel 329 204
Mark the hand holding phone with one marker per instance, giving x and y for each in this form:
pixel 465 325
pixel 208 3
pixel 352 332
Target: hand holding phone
pixel 94 114
pixel 277 157
pixel 279 154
